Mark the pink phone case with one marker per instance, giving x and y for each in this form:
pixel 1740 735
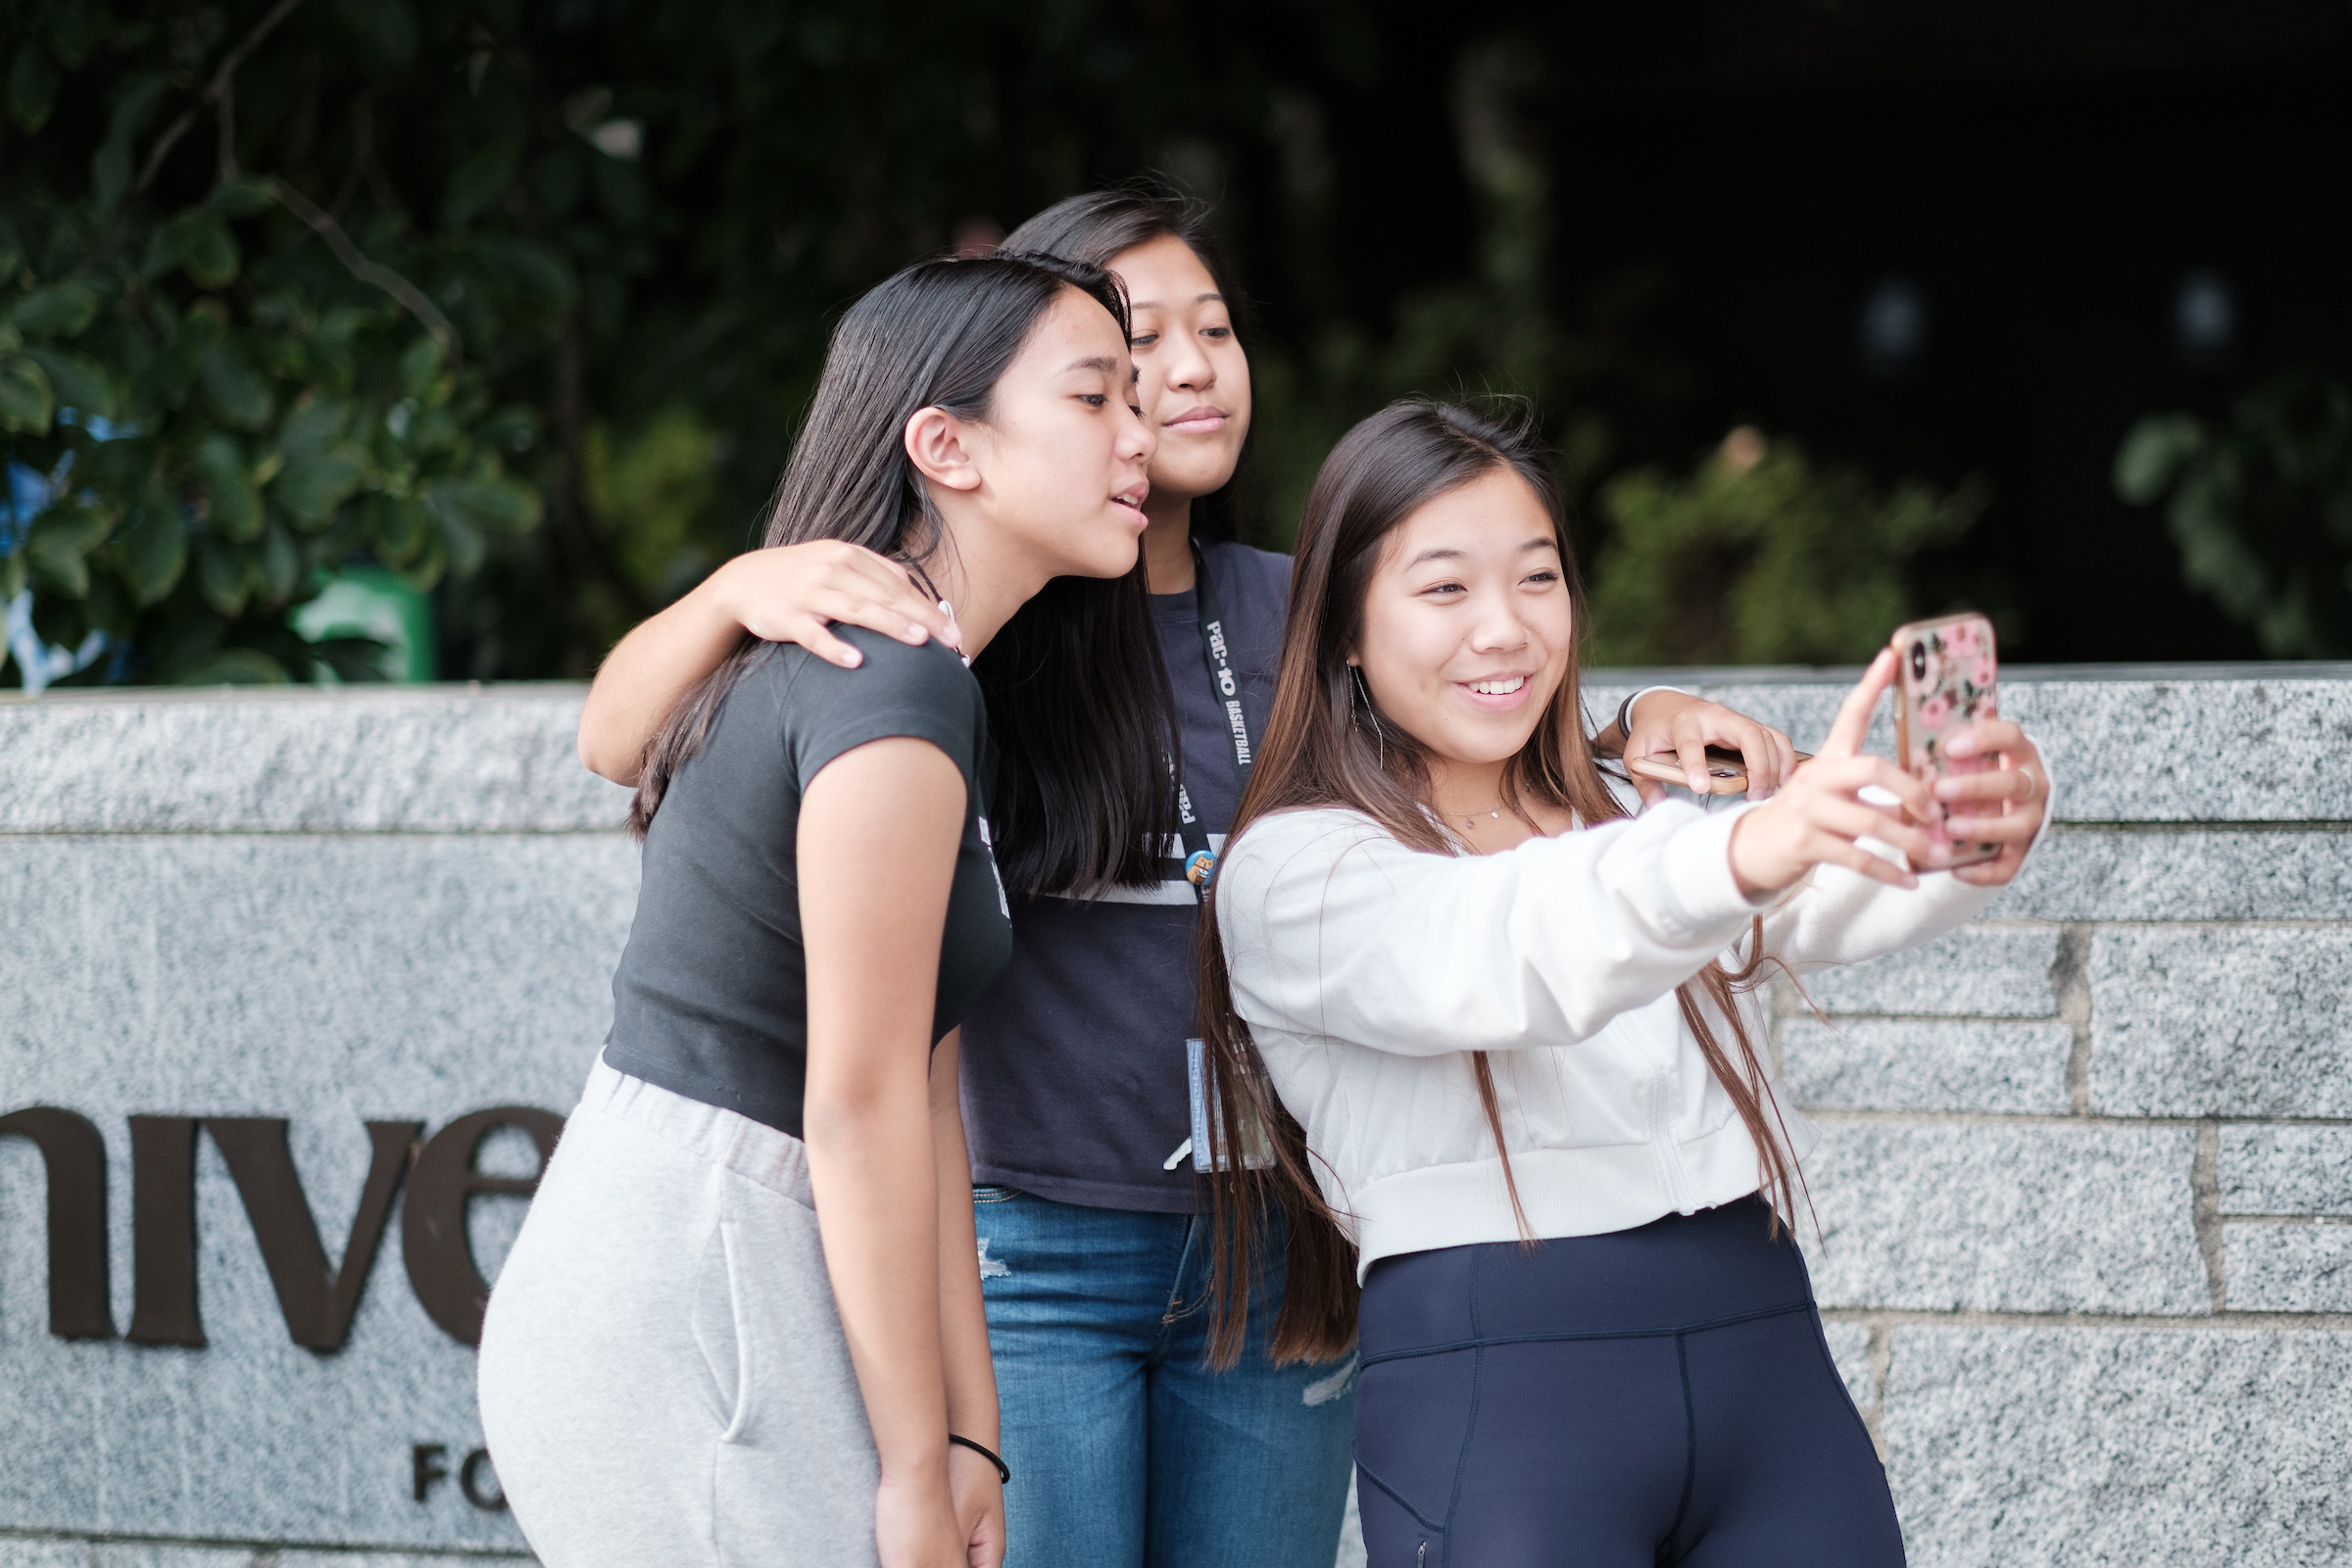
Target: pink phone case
pixel 1946 679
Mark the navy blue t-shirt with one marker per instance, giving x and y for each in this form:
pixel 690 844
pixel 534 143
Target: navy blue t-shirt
pixel 1074 1083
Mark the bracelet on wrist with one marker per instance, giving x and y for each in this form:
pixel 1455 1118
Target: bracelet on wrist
pixel 1625 710
pixel 1004 1470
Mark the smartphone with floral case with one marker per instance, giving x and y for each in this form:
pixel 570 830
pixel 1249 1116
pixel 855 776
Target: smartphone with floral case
pixel 1945 679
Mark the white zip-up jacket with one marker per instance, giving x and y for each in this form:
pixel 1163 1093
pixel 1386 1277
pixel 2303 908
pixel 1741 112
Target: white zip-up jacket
pixel 1367 972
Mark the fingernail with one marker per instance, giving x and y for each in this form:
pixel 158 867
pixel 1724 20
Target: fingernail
pixel 852 660
pixel 916 633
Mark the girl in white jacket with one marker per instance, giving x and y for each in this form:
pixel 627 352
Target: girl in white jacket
pixel 1504 1036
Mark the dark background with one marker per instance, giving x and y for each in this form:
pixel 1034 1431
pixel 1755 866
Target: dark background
pixel 2046 176
pixel 1656 218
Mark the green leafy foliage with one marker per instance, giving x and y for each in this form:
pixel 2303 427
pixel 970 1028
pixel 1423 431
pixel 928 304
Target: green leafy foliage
pixel 523 300
pixel 225 401
pixel 2261 506
pixel 646 494
pixel 1762 556
pixel 26 399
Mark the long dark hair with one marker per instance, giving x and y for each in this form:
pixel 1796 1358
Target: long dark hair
pixel 941 335
pixel 1328 748
pixel 1077 696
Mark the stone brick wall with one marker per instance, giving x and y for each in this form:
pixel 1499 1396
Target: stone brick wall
pixel 387 905
pixel 2087 1163
pixel 2082 1198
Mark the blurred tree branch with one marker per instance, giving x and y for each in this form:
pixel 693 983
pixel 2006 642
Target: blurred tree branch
pixel 216 91
pixel 412 298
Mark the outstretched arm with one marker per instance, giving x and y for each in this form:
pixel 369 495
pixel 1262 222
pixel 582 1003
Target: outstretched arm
pixel 1334 928
pixel 788 594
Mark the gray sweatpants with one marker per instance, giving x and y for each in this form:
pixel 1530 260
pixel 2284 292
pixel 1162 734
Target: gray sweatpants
pixel 663 1377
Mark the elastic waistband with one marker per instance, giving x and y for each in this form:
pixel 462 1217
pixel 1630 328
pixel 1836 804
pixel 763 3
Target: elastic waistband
pixel 1683 1272
pixel 751 1150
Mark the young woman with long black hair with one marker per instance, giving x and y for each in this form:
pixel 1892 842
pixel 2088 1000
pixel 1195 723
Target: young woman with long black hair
pixel 1091 1222
pixel 1503 1033
pixel 743 1321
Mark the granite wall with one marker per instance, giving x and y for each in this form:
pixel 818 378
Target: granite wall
pixel 2087 1163
pixel 382 905
pixel 2080 1201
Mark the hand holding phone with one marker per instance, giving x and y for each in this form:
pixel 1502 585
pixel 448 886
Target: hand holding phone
pixel 1946 679
pixel 1986 793
pixel 1695 741
pixel 1834 803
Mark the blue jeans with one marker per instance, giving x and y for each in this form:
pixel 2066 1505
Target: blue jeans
pixel 1126 1450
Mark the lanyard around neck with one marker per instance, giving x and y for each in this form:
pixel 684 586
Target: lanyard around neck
pixel 1200 861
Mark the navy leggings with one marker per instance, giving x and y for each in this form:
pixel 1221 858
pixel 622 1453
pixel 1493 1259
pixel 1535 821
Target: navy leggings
pixel 1659 1396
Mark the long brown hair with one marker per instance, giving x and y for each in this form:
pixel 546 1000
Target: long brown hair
pixel 1326 746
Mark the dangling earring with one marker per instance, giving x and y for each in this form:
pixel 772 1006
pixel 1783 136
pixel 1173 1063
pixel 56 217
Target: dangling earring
pixel 1379 738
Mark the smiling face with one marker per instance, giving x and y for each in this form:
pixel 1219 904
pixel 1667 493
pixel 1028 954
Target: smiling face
pixel 1062 456
pixel 1194 379
pixel 1467 626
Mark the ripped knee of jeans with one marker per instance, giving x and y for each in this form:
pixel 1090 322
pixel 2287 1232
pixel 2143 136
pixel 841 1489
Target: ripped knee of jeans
pixel 1323 1390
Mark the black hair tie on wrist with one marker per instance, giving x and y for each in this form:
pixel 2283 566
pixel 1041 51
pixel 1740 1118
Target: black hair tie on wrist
pixel 1625 717
pixel 1004 1470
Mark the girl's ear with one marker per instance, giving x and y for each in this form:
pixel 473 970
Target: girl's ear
pixel 939 445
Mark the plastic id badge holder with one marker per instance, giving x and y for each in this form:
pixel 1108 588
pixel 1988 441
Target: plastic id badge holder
pixel 1257 1150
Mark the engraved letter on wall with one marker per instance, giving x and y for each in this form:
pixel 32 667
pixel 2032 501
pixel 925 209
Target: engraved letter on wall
pixel 73 1156
pixel 432 1224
